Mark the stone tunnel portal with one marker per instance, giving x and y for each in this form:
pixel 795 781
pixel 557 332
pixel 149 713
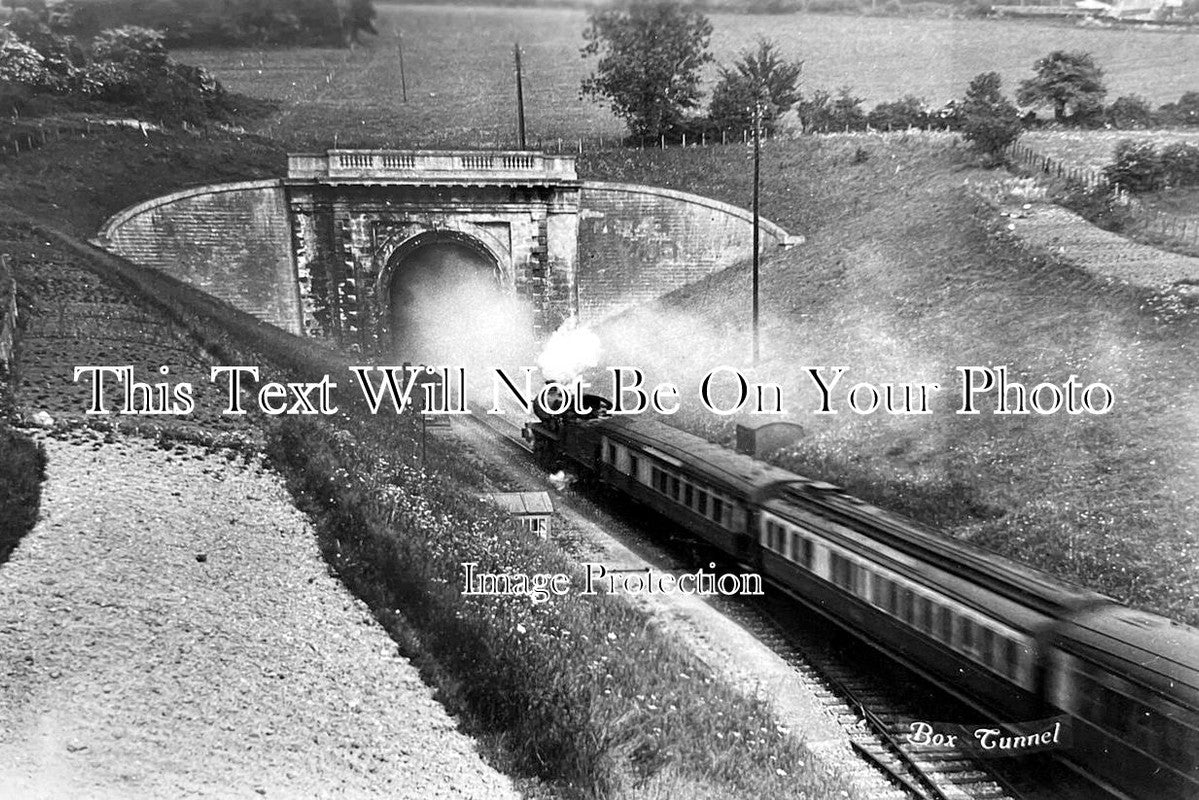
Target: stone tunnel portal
pixel 439 281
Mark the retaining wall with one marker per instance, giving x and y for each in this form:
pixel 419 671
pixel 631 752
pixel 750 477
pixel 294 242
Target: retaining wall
pixel 231 240
pixel 637 243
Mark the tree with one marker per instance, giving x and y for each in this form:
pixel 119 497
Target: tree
pixel 1130 111
pixel 989 120
pixel 909 112
pixel 650 55
pixel 1068 81
pixel 1138 167
pixel 825 112
pixel 759 74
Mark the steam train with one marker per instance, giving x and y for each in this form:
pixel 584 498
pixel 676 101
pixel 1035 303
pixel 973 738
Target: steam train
pixel 1014 642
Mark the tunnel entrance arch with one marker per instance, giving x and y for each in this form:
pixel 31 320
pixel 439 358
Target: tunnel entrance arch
pixel 429 281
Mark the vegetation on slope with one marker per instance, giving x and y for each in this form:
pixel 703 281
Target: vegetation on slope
pixel 582 695
pixel 900 281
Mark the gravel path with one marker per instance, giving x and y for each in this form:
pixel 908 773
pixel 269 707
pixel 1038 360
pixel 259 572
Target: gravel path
pixel 1053 229
pixel 169 629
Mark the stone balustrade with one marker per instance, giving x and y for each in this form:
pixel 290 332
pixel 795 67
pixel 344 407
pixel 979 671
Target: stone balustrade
pixel 477 167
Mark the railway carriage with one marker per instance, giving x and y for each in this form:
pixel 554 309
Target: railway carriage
pixel 1007 638
pixel 1130 683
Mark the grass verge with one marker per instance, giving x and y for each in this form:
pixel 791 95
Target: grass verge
pixel 580 692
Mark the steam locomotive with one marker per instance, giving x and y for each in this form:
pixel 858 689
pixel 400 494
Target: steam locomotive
pixel 1014 642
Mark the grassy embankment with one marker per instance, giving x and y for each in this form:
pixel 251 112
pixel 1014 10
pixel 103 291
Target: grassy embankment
pixel 582 696
pixel 902 282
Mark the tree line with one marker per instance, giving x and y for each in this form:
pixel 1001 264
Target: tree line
pixel 649 56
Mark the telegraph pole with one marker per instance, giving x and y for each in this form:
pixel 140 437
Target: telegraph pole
pixel 757 165
pixel 520 99
pixel 403 80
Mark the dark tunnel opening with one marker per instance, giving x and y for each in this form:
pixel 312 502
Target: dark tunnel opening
pixel 436 288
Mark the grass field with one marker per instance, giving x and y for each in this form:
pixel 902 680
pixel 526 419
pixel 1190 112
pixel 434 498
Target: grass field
pixel 1096 149
pixel 460 78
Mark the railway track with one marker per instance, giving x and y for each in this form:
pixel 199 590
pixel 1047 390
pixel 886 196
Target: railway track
pixel 876 713
pixel 873 699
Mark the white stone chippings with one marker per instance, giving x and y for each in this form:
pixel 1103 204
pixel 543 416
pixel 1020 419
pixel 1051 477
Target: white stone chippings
pixel 169 629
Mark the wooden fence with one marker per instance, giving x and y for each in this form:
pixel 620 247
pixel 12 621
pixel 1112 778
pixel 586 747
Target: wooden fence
pixel 1176 228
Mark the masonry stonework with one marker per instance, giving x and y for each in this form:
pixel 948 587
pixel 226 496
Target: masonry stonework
pixel 230 240
pixel 351 241
pixel 638 243
pixel 317 253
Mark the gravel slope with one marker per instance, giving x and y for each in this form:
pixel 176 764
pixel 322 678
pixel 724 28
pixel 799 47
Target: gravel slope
pixel 169 629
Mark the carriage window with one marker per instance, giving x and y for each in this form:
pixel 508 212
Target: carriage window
pixel 611 453
pixel 986 645
pixel 701 502
pixel 905 605
pixel 717 509
pixel 688 494
pixel 1011 657
pixel 843 571
pixel 946 634
pixel 633 466
pixel 924 610
pixel 966 640
pixel 807 553
pixel 674 488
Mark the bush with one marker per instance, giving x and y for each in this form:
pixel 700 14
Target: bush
pixel 200 23
pixel 21 65
pixel 826 113
pixel 1184 112
pixel 910 112
pixel 1180 163
pixel 1138 167
pixel 1130 111
pixel 130 46
pixel 129 66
